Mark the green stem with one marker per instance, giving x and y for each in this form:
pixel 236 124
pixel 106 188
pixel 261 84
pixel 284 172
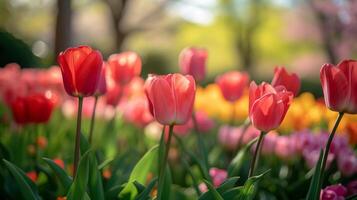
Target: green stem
pixel 163 162
pixel 327 150
pixel 92 121
pixel 256 154
pixel 78 136
pixel 202 147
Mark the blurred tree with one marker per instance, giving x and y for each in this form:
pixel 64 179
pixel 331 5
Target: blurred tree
pixel 243 17
pixel 120 10
pixel 337 22
pixel 15 50
pixel 63 26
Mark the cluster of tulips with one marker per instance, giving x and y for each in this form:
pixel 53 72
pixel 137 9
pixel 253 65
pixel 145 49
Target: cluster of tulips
pixel 167 108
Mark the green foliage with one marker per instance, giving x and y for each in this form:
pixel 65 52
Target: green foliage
pixel 139 173
pixel 314 189
pixel 78 188
pixel 27 188
pixel 238 161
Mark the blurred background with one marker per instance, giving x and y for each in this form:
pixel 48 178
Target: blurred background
pixel 251 35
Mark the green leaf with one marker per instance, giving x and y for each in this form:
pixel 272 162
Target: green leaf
pixel 239 159
pixel 64 179
pixel 314 191
pixel 145 195
pixel 232 193
pixel 95 185
pixel 213 191
pixel 248 189
pixel 225 186
pixel 139 187
pixel 78 188
pixel 105 163
pixel 166 191
pixel 27 187
pixel 84 145
pixel 139 173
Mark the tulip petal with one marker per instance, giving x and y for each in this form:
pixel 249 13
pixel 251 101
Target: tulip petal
pixel 349 68
pixel 266 113
pixel 162 101
pixel 88 73
pixel 184 89
pixel 335 87
pixel 67 75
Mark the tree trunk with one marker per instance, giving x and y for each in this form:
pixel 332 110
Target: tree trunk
pixel 63 26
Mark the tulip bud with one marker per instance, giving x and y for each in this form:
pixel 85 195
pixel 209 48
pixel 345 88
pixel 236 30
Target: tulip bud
pixel 171 98
pixel 81 67
pixel 333 192
pixel 339 86
pixel 26 109
pixel 192 61
pixel 268 105
pixel 290 81
pixel 124 66
pixel 232 85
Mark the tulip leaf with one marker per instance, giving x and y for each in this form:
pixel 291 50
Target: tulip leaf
pixel 248 189
pixel 78 188
pixel 232 193
pixel 96 190
pixel 213 191
pixel 139 173
pixel 239 159
pixel 166 191
pixel 84 144
pixel 144 195
pixel 225 186
pixel 105 163
pixel 314 191
pixel 64 179
pixel 27 187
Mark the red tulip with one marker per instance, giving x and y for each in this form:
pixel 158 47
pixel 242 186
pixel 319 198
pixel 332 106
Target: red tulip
pixel 35 108
pixel 192 61
pixel 290 81
pixel 81 67
pixel 102 84
pixel 32 175
pixel 339 85
pixel 268 105
pixel 232 85
pixel 171 98
pixel 124 66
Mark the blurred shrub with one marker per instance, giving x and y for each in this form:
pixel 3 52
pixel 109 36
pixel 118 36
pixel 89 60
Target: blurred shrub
pixel 15 50
pixel 155 63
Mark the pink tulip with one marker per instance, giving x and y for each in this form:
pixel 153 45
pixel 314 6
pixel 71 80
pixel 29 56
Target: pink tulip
pixel 290 81
pixel 339 86
pixel 268 105
pixel 171 98
pixel 192 61
pixel 136 111
pixel 123 67
pixel 229 137
pixel 284 147
pixel 347 164
pixel 232 85
pixel 204 123
pixel 333 192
